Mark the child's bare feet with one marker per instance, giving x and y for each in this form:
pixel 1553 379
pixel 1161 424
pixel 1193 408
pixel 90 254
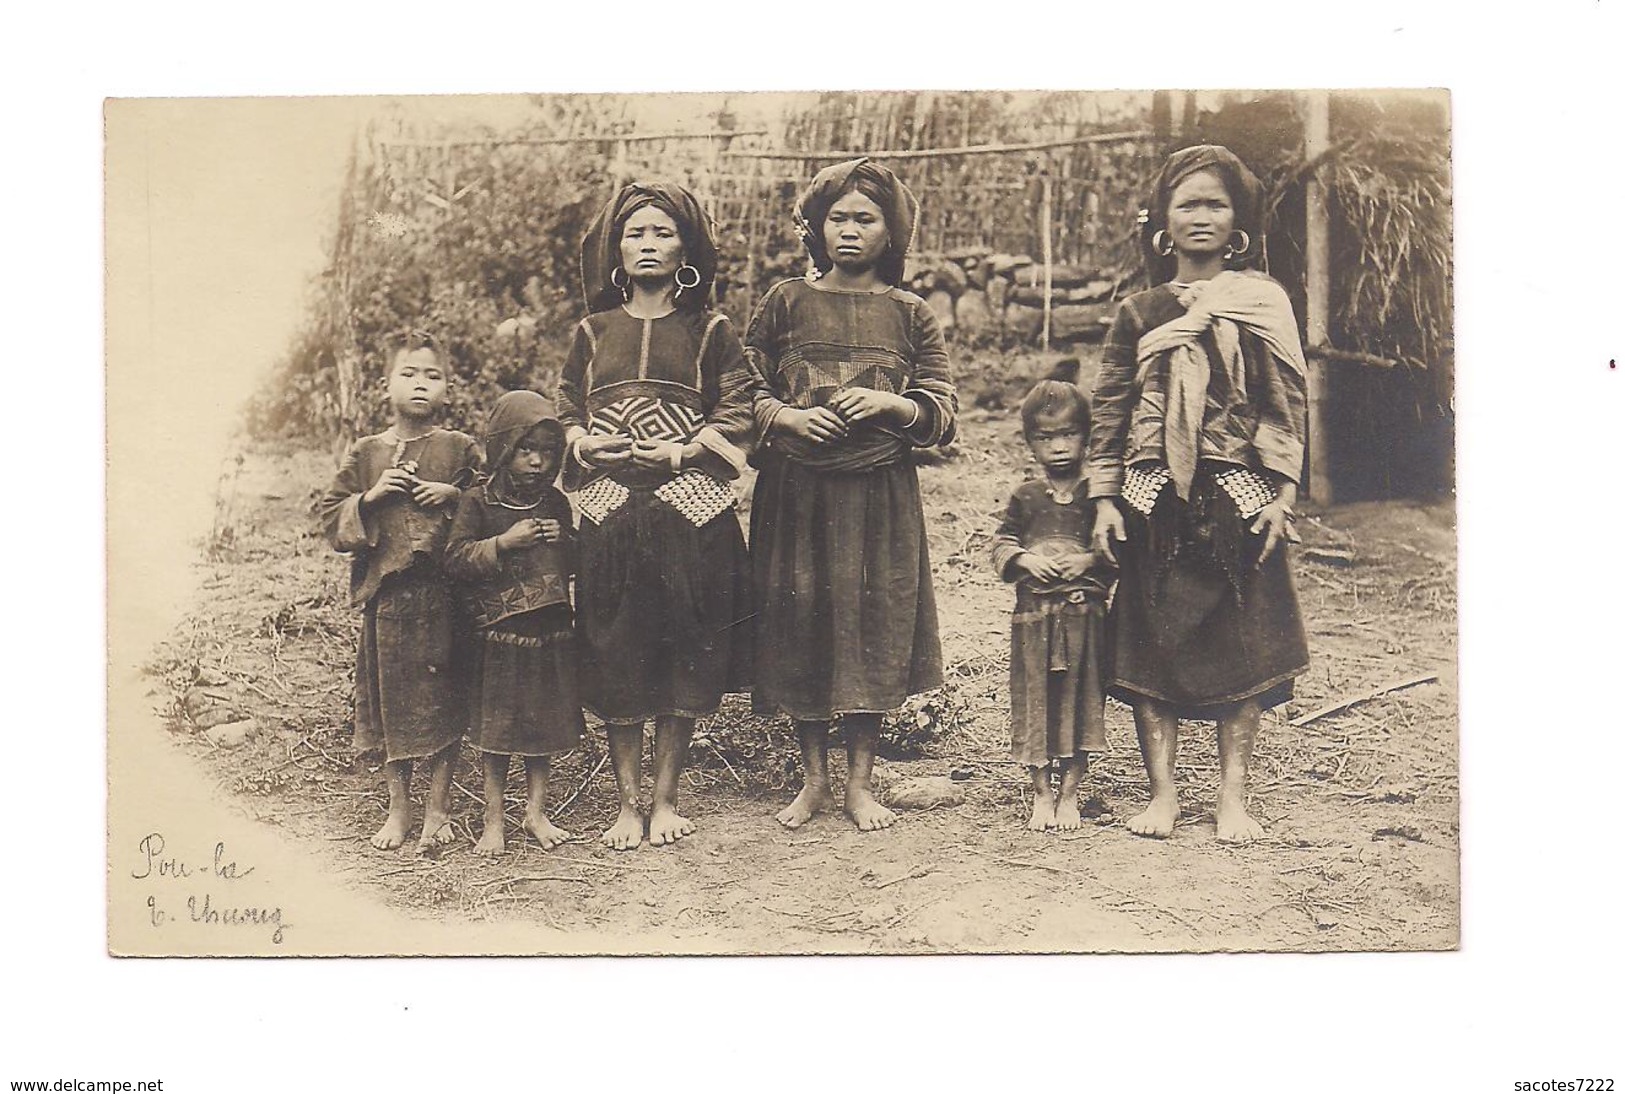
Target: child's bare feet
pixel 1232 822
pixel 812 800
pixel 666 826
pixel 437 832
pixel 491 841
pixel 1066 813
pixel 867 813
pixel 1043 817
pixel 627 831
pixel 544 831
pixel 392 834
pixel 1157 821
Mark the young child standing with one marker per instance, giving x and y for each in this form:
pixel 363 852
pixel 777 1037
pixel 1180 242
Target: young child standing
pixel 1057 632
pixel 390 507
pixel 511 548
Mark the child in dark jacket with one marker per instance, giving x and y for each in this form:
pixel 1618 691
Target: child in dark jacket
pixel 1057 632
pixel 511 548
pixel 390 507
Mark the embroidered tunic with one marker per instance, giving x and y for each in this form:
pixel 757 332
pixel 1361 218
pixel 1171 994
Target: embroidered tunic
pixel 681 378
pixel 662 597
pixel 808 343
pixel 847 619
pixel 494 585
pixel 525 699
pixel 1197 623
pixel 1255 419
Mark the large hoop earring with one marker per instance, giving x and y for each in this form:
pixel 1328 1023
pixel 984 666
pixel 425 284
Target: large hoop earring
pixel 681 284
pixel 1162 244
pixel 1231 250
pixel 623 282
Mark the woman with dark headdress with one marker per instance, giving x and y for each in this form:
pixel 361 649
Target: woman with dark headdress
pixel 1194 460
pixel 655 400
pixel 854 377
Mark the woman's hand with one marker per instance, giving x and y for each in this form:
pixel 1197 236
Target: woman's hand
pixel 522 535
pixel 397 480
pixel 1109 528
pixel 859 404
pixel 551 530
pixel 657 455
pixel 1038 567
pixel 604 449
pixel 1275 523
pixel 820 425
pixel 431 495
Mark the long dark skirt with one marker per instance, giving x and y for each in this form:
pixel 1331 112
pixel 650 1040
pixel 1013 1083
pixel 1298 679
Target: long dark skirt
pixel 1058 662
pixel 411 671
pixel 1196 622
pixel 847 618
pixel 524 700
pixel 664 612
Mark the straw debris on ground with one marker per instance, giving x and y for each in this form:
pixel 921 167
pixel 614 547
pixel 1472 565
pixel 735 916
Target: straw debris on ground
pixel 1359 804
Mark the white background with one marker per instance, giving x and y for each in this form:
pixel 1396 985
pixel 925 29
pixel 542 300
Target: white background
pixel 1532 995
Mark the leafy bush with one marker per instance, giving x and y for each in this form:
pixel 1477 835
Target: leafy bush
pixel 491 267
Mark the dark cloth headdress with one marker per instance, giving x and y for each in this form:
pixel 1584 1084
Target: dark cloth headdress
pixel 896 201
pixel 513 416
pixel 1056 397
pixel 601 246
pixel 1246 195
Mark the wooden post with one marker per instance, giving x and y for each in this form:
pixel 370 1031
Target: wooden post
pixel 1045 216
pixel 1318 288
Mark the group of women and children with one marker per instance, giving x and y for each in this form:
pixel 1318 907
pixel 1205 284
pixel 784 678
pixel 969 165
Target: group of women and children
pixel 1148 556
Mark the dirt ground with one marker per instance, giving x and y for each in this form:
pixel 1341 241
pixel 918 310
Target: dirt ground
pixel 1360 806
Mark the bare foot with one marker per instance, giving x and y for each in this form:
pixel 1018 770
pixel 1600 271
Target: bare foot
pixel 392 834
pixel 808 804
pixel 437 833
pixel 1234 825
pixel 666 826
pixel 1043 817
pixel 1066 813
pixel 867 813
pixel 545 832
pixel 491 841
pixel 1157 821
pixel 627 831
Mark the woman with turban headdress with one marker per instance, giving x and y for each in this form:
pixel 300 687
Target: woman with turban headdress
pixel 1194 460
pixel 655 401
pixel 853 376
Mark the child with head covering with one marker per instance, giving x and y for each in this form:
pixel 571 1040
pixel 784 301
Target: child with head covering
pixel 390 507
pixel 655 400
pixel 510 548
pixel 853 376
pixel 1057 632
pixel 1197 445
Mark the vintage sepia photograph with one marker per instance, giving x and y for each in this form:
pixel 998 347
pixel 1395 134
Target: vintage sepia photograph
pixel 829 522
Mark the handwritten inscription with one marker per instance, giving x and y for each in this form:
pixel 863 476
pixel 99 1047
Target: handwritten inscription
pixel 197 891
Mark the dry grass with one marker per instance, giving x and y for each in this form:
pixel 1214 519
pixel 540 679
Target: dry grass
pixel 1360 805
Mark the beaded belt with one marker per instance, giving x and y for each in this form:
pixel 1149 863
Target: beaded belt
pixel 1247 488
pixel 699 497
pixel 600 498
pixel 1143 483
